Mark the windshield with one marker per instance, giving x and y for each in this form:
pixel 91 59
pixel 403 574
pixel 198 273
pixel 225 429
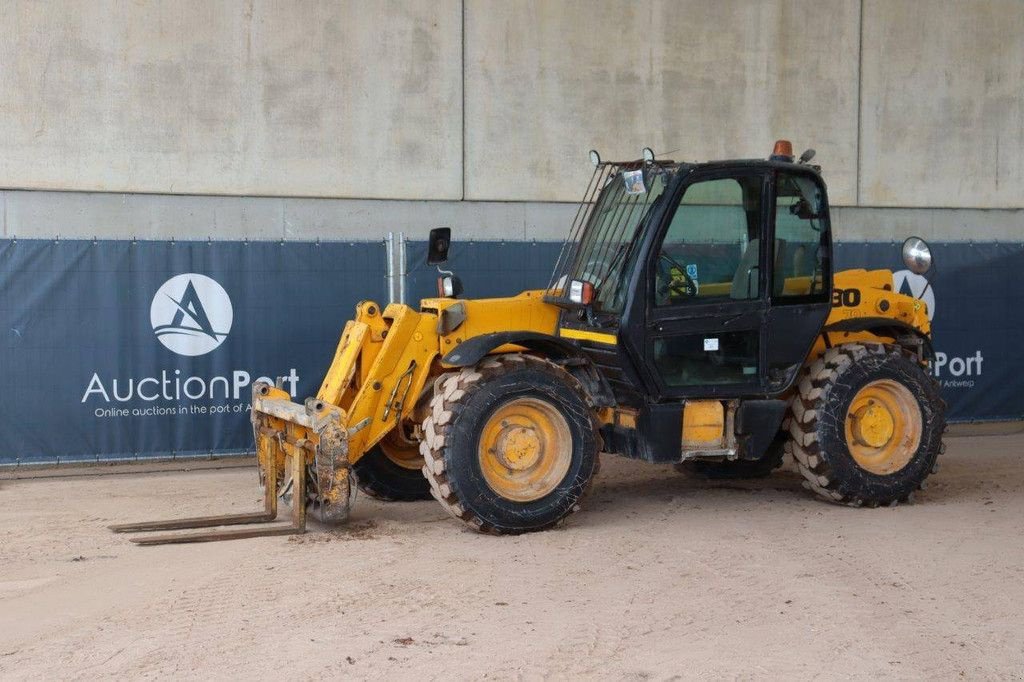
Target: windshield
pixel 605 250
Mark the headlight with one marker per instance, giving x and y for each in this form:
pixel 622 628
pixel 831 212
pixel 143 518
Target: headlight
pixel 581 292
pixel 449 286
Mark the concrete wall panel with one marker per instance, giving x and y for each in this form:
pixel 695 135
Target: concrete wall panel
pixel 546 81
pixel 310 98
pixel 83 215
pixel 942 107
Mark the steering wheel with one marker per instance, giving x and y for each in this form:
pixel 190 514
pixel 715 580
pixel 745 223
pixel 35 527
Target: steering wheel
pixel 673 288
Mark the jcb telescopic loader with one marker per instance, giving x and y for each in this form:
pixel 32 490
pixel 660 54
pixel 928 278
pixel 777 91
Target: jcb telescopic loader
pixel 693 317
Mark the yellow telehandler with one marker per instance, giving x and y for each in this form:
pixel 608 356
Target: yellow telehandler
pixel 693 317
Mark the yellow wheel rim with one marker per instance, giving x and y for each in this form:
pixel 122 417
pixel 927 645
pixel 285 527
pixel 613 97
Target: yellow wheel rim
pixel 525 449
pixel 400 450
pixel 883 427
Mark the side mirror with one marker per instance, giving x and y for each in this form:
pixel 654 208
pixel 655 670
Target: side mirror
pixel 440 240
pixel 801 208
pixel 917 255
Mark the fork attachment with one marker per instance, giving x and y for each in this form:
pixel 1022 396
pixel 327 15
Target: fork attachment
pixel 303 440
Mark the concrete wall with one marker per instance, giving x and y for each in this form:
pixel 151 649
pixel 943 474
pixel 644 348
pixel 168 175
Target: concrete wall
pixel 546 81
pixel 478 114
pixel 942 104
pixel 49 215
pixel 359 99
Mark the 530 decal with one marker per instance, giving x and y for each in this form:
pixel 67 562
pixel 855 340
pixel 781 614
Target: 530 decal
pixel 845 298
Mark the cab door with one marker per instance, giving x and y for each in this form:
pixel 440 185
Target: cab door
pixel 800 272
pixel 706 303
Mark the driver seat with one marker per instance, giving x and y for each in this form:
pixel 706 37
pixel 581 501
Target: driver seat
pixel 745 279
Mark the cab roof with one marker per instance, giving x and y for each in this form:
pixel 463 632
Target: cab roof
pixel 688 166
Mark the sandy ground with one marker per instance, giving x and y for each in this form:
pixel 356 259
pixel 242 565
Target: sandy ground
pixel 659 576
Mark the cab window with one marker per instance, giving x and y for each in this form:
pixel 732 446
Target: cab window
pixel 711 248
pixel 800 239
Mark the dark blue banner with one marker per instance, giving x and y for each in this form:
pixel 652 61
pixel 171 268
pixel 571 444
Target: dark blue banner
pixel 117 349
pixel 973 292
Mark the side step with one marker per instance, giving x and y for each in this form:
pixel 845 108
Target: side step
pixel 264 518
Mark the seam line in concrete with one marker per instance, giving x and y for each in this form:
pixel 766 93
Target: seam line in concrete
pixel 463 41
pixel 860 91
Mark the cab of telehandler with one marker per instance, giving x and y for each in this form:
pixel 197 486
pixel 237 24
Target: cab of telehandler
pixel 706 281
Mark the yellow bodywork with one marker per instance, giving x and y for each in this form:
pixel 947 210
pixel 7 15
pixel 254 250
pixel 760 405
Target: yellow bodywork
pixel 703 424
pixel 381 369
pixel 876 298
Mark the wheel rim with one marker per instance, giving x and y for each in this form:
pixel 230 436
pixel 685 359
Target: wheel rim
pixel 525 449
pixel 403 452
pixel 883 427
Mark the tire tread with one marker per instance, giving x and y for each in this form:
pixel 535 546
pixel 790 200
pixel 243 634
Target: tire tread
pixel 810 400
pixel 445 407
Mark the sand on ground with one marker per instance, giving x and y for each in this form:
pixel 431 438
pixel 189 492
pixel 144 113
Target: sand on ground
pixel 659 576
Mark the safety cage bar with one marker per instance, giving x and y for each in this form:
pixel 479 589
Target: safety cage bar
pixel 589 243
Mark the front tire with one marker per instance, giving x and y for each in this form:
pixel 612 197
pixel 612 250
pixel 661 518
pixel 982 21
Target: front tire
pixel 867 425
pixel 511 445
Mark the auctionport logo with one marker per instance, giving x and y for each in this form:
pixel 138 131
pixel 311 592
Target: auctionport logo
pixel 952 371
pixel 191 314
pixel 917 286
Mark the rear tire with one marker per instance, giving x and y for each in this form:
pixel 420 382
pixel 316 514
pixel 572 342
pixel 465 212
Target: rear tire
pixel 511 445
pixel 867 425
pixel 381 478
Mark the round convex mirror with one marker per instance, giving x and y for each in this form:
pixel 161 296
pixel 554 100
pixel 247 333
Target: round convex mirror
pixel 595 158
pixel 917 255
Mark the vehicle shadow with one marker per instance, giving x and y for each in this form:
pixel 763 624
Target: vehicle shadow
pixel 973 471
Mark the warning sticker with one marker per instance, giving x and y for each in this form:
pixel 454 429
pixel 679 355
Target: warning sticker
pixel 634 181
